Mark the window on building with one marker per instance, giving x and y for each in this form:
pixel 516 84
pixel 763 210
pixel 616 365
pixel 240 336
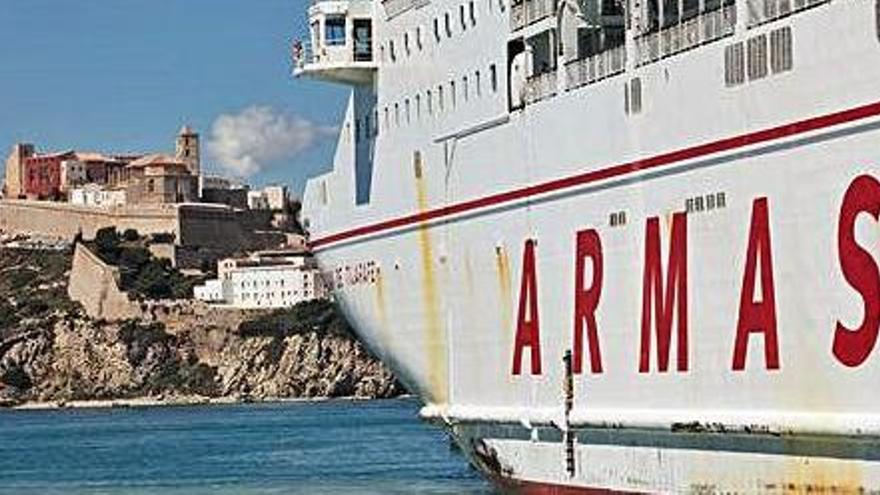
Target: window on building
pixel 151 185
pixel 334 30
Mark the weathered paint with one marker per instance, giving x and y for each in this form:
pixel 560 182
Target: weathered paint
pixel 435 341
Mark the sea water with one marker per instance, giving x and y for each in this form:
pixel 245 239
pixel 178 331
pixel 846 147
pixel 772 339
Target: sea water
pixel 328 447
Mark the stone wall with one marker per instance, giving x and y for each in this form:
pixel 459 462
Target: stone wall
pixel 65 221
pixel 95 285
pixel 199 225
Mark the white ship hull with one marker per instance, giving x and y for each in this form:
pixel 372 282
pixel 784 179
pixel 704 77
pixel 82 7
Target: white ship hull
pixel 711 263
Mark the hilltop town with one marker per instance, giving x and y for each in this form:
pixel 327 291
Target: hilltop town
pixel 136 276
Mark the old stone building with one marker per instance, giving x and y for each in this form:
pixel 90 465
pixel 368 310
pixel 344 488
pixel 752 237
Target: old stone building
pixel 187 150
pixel 160 179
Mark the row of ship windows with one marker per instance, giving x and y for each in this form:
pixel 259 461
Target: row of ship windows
pixel 435 102
pixel 467 17
pixel 781 57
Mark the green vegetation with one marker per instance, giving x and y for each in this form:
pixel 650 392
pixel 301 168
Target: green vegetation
pixel 142 275
pixel 309 316
pixel 33 290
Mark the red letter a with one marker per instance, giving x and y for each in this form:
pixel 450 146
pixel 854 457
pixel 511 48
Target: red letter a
pixel 654 295
pixel 528 332
pixel 586 300
pixel 757 317
pixel 852 347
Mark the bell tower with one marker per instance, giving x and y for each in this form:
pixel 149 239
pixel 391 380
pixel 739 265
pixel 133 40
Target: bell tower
pixel 188 149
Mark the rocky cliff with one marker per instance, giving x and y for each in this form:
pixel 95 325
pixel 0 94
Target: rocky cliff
pixel 51 351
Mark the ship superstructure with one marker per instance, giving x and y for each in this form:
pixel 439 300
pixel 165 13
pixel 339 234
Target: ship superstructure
pixel 624 246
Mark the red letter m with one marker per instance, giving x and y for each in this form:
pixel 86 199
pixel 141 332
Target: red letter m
pixel 653 294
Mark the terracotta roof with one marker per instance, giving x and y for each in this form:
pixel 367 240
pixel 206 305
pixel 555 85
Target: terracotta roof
pixel 157 160
pixel 59 154
pixel 89 156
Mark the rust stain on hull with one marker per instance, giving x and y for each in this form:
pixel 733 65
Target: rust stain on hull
pixel 502 267
pixel 436 337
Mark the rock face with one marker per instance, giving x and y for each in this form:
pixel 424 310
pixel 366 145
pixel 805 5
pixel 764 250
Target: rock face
pixel 51 351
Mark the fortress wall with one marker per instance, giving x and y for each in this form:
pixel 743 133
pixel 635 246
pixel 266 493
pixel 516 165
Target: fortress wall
pixel 64 221
pixel 95 285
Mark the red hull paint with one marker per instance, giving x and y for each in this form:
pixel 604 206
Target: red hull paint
pixel 724 145
pixel 519 487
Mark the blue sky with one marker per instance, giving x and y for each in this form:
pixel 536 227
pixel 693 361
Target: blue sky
pixel 124 75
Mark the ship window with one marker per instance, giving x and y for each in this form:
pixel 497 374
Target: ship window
pixel 397 114
pixel 734 65
pixel 473 12
pixel 464 87
pixel 437 30
pixel 418 107
pixel 710 5
pixel 408 119
pixel 452 93
pixel 387 119
pixel 376 122
pixel 334 30
pixel 391 52
pixel 461 17
pixel 781 50
pixel 406 43
pixel 636 95
pixel 478 83
pixel 448 23
pixel 440 104
pixel 758 57
pixel 429 98
pixel 670 12
pixel 419 38
pixel 493 77
pixel 690 9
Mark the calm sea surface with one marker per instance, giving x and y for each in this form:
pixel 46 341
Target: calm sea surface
pixel 315 448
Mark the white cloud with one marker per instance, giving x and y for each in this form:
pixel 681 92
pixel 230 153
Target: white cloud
pixel 252 140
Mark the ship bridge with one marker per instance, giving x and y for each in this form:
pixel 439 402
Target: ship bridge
pixel 340 48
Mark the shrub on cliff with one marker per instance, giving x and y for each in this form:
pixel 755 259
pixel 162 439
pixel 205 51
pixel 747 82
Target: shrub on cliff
pixel 142 275
pixel 309 316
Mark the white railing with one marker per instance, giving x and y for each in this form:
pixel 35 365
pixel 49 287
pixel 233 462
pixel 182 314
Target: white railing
pixel 761 11
pixel 530 11
pixel 540 87
pixel 302 54
pixel 394 8
pixel 690 34
pixel 593 69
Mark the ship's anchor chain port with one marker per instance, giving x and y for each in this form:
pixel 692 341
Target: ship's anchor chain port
pixel 567 434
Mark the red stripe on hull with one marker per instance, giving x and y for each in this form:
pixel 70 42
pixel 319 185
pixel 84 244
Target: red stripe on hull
pixel 671 158
pixel 519 487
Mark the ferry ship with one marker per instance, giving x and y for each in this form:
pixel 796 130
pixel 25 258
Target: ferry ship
pixel 615 246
